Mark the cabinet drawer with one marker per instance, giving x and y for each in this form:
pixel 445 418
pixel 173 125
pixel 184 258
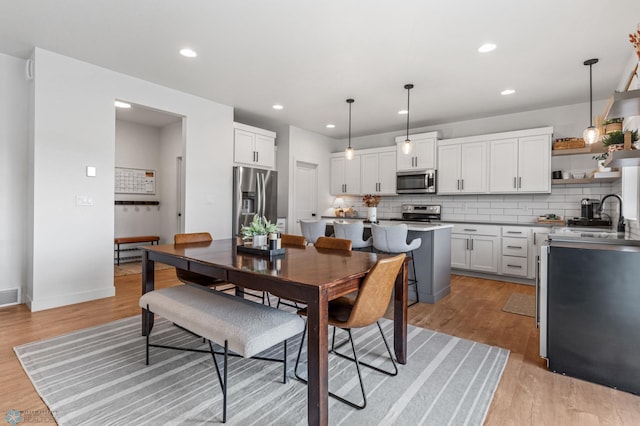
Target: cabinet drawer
pixel 514 246
pixel 473 229
pixel 512 265
pixel 516 231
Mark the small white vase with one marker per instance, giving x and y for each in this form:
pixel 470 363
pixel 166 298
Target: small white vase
pixel 259 240
pixel 372 213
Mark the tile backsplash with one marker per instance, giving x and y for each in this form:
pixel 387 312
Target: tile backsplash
pixel 564 200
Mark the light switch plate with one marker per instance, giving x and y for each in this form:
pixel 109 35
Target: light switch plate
pixel 84 200
pixel 91 171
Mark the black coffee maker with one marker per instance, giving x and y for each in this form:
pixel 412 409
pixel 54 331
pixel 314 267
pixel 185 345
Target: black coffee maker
pixel 589 208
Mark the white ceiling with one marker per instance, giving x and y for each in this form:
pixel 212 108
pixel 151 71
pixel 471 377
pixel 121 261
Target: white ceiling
pixel 311 56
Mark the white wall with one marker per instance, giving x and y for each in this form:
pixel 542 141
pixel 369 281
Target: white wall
pixel 74 126
pixel 311 148
pixel 13 172
pixel 138 147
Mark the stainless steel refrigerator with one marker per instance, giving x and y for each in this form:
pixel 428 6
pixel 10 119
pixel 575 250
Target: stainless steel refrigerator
pixel 255 192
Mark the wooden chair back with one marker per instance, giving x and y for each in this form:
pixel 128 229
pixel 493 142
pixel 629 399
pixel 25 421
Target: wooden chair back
pixel 194 237
pixel 333 243
pixel 375 293
pixel 293 240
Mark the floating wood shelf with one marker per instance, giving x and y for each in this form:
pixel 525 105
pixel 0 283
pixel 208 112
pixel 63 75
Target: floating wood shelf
pixel 598 177
pixel 593 149
pixel 136 203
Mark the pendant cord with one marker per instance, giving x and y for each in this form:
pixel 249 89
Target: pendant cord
pixel 590 97
pixel 350 124
pixel 408 92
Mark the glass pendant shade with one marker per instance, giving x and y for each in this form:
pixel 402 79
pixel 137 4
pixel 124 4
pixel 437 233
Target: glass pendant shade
pixel 349 153
pixel 591 135
pixel 407 147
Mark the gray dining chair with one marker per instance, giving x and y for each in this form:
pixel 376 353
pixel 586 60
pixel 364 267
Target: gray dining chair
pixel 393 239
pixel 313 229
pixel 352 231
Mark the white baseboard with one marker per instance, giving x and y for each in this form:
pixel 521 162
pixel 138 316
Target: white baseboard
pixel 70 299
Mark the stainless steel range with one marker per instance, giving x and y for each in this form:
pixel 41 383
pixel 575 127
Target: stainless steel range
pixel 420 212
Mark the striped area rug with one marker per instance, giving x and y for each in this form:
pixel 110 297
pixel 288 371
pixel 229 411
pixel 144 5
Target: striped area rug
pixel 97 376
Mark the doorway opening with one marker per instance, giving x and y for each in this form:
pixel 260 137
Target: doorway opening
pixel 149 178
pixel 305 204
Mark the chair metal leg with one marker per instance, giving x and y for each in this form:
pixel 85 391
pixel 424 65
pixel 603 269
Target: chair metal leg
pixel 284 361
pixel 148 321
pixel 386 344
pixel 333 395
pixel 414 281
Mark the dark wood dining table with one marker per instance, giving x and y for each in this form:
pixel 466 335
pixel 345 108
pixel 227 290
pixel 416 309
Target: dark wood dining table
pixel 306 275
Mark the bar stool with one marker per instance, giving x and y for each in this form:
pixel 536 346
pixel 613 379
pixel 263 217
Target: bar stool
pixel 313 229
pixel 352 231
pixel 393 239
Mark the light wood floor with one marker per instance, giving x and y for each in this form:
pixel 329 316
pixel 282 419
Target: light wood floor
pixel 528 394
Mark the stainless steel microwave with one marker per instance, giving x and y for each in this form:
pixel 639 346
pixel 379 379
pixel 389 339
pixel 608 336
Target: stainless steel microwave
pixel 416 182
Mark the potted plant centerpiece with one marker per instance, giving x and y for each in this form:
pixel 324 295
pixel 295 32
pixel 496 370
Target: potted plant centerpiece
pixel 371 203
pixel 258 230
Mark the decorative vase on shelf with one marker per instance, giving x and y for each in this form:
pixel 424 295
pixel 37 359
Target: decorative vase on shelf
pixel 372 214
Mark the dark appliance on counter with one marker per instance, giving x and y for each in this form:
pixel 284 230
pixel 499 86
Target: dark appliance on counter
pixel 255 192
pixel 589 215
pixel 416 182
pixel 420 213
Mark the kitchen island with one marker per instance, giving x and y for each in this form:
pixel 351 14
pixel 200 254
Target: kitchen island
pixel 432 259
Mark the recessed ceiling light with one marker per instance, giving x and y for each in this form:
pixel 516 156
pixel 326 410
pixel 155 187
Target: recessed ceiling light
pixel 507 92
pixel 403 112
pixel 487 47
pixel 277 106
pixel 331 126
pixel 188 53
pixel 120 104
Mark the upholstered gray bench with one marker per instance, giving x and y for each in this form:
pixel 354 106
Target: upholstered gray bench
pixel 241 326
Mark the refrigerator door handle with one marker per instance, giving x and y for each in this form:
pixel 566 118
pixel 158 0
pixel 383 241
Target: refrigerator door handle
pixel 264 195
pixel 259 195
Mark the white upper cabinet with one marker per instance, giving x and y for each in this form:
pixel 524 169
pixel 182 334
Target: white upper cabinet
pixel 521 164
pixel 462 168
pixel 378 173
pixel 345 175
pixel 509 162
pixel 423 154
pixel 253 146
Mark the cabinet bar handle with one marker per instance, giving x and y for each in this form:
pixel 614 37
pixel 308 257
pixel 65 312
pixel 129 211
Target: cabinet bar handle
pixel 515 266
pixel 520 182
pixel 470 230
pixel 514 232
pixel 534 238
pixel 257 156
pixel 514 182
pixel 515 247
pixel 462 184
pixel 458 184
pixel 467 244
pixel 471 243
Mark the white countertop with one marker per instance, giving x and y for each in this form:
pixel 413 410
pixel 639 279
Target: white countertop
pixel 412 226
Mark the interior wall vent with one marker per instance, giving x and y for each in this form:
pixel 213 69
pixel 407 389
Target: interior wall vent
pixel 9 296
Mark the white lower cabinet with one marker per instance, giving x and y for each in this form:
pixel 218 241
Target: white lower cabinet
pixel 475 247
pixel 515 251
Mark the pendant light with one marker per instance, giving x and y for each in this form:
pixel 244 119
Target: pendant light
pixel 407 146
pixel 349 152
pixel 591 133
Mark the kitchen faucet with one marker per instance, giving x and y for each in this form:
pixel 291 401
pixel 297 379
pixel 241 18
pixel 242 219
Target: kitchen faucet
pixel 620 218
